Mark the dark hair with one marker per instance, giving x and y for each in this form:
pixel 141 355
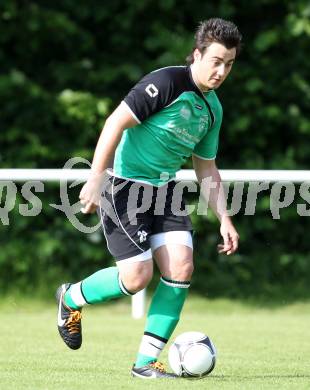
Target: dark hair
pixel 215 30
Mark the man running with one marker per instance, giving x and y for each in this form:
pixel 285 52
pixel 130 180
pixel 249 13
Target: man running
pixel 172 114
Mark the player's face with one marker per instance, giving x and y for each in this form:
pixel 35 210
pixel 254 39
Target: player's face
pixel 212 68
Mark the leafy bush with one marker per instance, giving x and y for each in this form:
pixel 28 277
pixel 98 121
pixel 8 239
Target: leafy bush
pixel 65 66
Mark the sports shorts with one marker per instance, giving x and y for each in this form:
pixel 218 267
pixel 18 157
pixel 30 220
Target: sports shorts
pixel 137 218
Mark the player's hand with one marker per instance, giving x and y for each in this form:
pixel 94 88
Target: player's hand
pixel 230 237
pixel 90 193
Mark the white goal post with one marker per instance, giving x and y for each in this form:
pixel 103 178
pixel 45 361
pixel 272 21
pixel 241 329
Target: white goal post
pixel 227 175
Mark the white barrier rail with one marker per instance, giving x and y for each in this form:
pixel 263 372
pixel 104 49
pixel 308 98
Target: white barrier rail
pixel 232 175
pixel 228 175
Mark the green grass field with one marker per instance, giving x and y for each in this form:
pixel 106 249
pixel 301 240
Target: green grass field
pixel 258 348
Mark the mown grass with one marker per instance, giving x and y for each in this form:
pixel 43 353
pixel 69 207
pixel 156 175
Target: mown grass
pixel 258 348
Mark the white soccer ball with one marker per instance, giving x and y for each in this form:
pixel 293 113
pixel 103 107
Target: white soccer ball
pixel 192 354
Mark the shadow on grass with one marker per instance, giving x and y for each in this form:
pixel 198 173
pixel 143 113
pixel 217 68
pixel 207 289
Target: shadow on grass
pixel 262 376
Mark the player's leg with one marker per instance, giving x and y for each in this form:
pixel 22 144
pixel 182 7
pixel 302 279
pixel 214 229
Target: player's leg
pixel 173 254
pixel 126 247
pixel 135 275
pixel 104 285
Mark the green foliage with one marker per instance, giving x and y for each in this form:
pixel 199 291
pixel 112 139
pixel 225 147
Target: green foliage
pixel 66 65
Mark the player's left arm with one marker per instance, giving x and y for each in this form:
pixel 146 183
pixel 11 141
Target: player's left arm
pixel 212 190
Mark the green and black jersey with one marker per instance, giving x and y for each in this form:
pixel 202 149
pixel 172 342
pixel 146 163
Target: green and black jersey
pixel 175 120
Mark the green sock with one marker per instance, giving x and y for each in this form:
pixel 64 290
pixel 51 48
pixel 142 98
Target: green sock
pixel 99 287
pixel 162 318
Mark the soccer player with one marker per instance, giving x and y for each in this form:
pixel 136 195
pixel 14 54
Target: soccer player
pixel 171 114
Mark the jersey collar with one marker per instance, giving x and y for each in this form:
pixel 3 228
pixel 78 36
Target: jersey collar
pixel 199 92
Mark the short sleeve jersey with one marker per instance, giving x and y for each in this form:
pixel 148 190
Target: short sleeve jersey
pixel 175 120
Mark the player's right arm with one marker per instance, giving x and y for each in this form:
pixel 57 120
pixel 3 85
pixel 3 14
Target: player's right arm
pixel 109 138
pixel 148 96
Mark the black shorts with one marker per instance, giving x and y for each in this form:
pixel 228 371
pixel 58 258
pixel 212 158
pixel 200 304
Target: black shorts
pixel 131 212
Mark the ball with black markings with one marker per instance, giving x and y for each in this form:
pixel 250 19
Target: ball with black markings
pixel 192 355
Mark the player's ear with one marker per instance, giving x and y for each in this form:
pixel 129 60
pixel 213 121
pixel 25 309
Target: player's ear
pixel 197 55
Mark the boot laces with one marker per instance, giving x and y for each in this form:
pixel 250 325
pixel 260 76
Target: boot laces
pixel 158 366
pixel 73 322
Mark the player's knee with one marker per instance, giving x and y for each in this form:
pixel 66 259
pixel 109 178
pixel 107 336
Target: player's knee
pixel 135 282
pixel 186 271
pixel 182 271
